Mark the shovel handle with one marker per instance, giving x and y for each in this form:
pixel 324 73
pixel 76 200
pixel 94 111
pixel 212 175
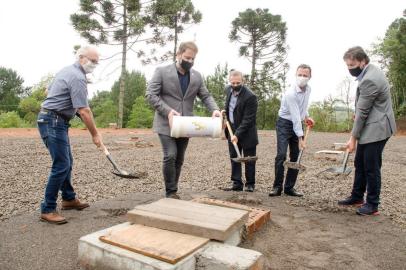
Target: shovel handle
pixel 230 132
pixel 345 160
pixel 306 134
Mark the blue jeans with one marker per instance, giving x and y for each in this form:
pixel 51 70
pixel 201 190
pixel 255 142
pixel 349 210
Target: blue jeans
pixel 54 133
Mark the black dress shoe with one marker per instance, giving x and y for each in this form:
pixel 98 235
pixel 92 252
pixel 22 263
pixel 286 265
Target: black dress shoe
pixel 275 192
pixel 233 188
pixel 249 188
pixel 293 192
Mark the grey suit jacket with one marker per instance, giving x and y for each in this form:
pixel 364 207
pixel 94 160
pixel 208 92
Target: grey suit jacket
pixel 164 93
pixel 374 117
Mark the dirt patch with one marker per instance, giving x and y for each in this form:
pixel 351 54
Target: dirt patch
pixel 305 233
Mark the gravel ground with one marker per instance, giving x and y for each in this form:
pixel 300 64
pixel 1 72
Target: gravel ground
pixel 25 164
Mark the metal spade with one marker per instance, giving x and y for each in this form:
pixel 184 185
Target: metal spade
pixel 117 171
pixel 239 158
pixel 344 170
pixel 296 165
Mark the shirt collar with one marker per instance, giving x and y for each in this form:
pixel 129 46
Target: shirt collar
pixel 79 66
pixel 299 90
pixel 362 73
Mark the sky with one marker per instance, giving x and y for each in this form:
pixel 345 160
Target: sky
pixel 37 38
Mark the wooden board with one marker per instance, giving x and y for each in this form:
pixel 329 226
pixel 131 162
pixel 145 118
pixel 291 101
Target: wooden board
pixel 256 219
pixel 208 221
pixel 156 243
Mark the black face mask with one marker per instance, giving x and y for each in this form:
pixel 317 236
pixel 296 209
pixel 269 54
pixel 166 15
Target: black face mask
pixel 185 65
pixel 236 88
pixel 355 71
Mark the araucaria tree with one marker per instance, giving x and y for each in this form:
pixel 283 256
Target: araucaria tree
pixel 168 19
pixel 114 22
pixel 263 42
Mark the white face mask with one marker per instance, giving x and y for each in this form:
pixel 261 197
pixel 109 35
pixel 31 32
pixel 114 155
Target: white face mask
pixel 89 67
pixel 302 81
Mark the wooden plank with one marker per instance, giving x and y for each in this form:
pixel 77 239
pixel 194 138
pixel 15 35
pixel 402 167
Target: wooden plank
pixel 208 221
pixel 159 244
pixel 256 219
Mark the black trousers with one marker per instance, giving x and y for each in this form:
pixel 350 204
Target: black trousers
pixel 368 163
pixel 236 167
pixel 174 153
pixel 285 137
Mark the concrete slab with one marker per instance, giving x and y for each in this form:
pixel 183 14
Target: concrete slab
pixel 94 254
pixel 216 256
pixel 207 221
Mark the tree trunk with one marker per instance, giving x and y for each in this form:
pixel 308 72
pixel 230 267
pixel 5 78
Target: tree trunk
pixel 123 70
pixel 176 38
pixel 254 59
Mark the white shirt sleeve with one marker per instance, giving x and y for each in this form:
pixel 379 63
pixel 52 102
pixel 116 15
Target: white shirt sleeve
pixel 294 111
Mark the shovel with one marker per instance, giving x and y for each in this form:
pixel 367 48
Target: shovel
pixel 117 171
pixel 344 170
pixel 239 158
pixel 296 165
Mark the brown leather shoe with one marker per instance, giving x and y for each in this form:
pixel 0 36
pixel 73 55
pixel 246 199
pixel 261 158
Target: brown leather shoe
pixel 73 204
pixel 53 218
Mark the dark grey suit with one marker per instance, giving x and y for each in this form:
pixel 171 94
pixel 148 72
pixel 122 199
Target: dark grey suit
pixel 164 93
pixel 373 125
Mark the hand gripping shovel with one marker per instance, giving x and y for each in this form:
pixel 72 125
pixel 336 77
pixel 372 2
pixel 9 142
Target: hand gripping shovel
pixel 117 171
pixel 239 158
pixel 296 165
pixel 343 170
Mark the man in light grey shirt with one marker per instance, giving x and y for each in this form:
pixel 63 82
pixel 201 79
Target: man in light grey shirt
pixel 289 131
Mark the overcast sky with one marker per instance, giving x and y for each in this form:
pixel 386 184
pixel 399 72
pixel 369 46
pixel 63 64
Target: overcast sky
pixel 37 37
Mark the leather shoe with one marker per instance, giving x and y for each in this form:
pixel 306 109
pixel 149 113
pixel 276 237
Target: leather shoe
pixel 53 218
pixel 173 196
pixel 275 192
pixel 74 204
pixel 233 188
pixel 293 192
pixel 249 188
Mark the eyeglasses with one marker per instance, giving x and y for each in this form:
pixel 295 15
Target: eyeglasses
pixel 95 62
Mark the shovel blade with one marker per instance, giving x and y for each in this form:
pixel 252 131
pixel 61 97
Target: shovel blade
pixel 294 166
pixel 245 159
pixel 125 174
pixel 339 170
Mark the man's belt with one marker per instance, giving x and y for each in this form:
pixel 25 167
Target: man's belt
pixel 46 111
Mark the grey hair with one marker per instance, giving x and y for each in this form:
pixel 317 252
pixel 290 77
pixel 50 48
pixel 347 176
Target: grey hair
pixel 235 73
pixel 83 51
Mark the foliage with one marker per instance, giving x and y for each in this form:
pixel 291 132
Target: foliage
pixel 142 115
pixel 168 19
pixel 392 51
pixel 111 22
pixel 135 85
pixel 11 119
pixel 326 117
pixel 263 42
pixel 29 107
pixel 11 89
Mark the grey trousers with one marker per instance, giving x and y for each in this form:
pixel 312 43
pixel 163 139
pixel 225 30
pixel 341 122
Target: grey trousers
pixel 174 153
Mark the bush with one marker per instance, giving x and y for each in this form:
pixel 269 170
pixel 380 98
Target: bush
pixel 12 120
pixel 141 115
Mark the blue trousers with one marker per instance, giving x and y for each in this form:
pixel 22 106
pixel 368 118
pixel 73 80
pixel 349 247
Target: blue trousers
pixel 368 163
pixel 285 137
pixel 54 133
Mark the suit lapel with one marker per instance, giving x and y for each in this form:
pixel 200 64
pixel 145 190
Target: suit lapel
pixel 240 96
pixel 175 78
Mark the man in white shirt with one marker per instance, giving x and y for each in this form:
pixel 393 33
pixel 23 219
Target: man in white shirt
pixel 289 131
